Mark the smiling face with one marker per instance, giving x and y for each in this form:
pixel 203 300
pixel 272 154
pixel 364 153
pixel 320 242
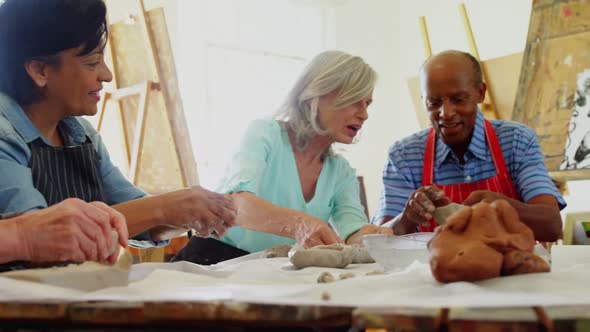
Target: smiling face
pixel 75 82
pixel 451 92
pixel 342 125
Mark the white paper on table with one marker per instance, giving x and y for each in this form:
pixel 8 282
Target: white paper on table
pixel 12 290
pixel 166 285
pixel 567 256
pixel 275 281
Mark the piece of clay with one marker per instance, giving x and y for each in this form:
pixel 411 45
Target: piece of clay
pixel 281 250
pixel 521 262
pixel 362 256
pixel 326 277
pixel 347 275
pixel 115 245
pixel 441 214
pixel 125 260
pixel 335 255
pixel 480 242
pixel 325 296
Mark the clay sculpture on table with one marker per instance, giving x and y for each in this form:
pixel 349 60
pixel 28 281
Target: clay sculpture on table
pixel 483 241
pixel 334 255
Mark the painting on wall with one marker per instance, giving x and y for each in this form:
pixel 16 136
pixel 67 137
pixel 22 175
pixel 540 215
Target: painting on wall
pixel 577 148
pixel 553 97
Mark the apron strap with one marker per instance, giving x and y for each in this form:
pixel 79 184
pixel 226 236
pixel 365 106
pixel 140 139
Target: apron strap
pixel 428 171
pixel 495 149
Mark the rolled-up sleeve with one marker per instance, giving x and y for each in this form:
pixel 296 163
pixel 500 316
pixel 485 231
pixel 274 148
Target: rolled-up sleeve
pixel 248 165
pixel 532 178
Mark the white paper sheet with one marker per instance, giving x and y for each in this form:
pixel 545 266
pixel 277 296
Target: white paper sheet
pixel 275 281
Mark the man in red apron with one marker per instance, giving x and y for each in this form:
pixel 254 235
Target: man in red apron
pixel 464 158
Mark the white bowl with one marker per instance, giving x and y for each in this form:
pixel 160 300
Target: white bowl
pixel 396 253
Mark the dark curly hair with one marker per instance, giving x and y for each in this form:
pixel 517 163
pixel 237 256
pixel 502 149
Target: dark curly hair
pixel 39 30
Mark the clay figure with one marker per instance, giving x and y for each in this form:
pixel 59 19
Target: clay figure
pixel 483 241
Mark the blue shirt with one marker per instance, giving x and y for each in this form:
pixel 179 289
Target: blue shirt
pixel 17 192
pixel 265 166
pixel 402 174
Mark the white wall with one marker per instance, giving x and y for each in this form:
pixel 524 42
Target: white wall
pixel 369 28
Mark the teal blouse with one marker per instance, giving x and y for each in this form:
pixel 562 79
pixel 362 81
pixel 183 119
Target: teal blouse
pixel 265 166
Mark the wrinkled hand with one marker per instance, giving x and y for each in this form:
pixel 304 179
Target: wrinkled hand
pixel 72 230
pixel 356 237
pixel 483 196
pixel 422 203
pixel 314 232
pixel 197 208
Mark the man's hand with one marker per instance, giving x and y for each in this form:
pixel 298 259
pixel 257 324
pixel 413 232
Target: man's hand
pixel 71 231
pixel 356 237
pixel 313 232
pixel 197 208
pixel 484 196
pixel 421 204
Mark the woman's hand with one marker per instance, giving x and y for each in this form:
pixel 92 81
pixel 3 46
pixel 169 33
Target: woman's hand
pixel 72 230
pixel 311 232
pixel 197 208
pixel 356 237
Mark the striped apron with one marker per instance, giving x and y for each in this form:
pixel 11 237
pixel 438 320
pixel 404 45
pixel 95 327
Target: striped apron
pixel 63 172
pixel 66 172
pixel 458 192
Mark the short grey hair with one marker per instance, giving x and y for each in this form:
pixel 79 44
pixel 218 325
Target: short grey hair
pixel 327 72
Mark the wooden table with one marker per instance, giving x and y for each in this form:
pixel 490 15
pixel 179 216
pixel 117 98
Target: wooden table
pixel 172 316
pixel 570 319
pixel 231 315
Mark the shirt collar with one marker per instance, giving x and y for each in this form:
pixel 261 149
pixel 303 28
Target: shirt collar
pixel 25 128
pixel 443 151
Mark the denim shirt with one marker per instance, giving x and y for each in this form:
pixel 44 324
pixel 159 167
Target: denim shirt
pixel 17 192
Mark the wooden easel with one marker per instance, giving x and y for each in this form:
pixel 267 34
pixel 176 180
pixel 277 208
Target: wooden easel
pixel 145 93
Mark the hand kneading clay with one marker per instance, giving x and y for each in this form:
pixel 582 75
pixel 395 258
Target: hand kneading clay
pixel 334 255
pixel 281 250
pixel 483 241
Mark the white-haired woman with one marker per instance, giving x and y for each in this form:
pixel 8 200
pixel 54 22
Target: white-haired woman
pixel 285 180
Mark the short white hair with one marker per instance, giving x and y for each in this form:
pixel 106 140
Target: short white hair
pixel 327 72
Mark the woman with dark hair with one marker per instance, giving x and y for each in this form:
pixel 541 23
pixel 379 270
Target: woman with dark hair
pixel 51 72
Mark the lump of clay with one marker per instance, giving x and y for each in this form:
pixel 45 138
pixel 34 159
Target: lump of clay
pixel 442 213
pixel 281 250
pixel 483 241
pixel 326 277
pixel 334 255
pixel 521 262
pixel 362 256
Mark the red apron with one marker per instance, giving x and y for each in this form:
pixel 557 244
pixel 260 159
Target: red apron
pixel 500 183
